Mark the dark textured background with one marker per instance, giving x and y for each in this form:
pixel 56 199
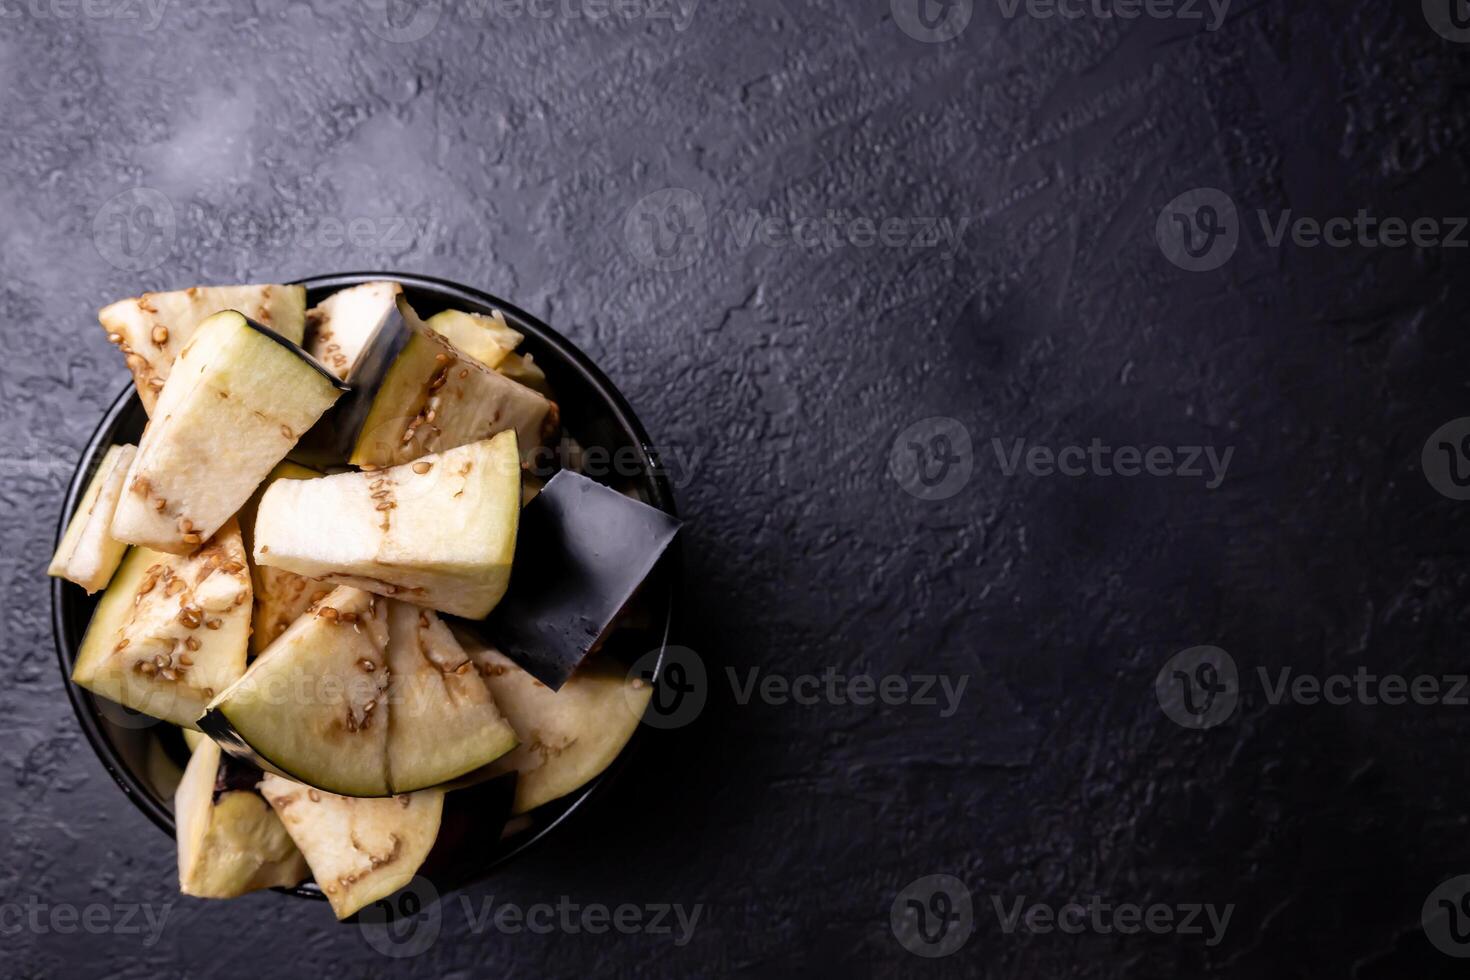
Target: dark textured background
pixel 512 148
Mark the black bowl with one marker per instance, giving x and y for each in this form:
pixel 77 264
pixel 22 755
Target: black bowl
pixel 144 756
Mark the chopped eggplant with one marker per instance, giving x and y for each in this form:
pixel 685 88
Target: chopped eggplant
pixel 170 631
pixel 368 742
pixel 240 397
pixel 230 840
pixel 523 369
pixel 442 721
pixel 492 342
pixel 342 329
pixel 439 532
pixel 313 705
pixel 363 696
pixel 567 737
pixel 435 397
pixel 359 850
pixel 583 551
pixel 153 328
pixel 488 339
pixel 281 597
pixel 88 554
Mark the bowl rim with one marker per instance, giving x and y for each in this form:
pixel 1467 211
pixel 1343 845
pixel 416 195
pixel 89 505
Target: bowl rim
pixel 654 478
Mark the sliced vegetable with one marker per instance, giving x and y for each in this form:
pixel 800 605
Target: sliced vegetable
pixel 567 737
pixel 170 631
pixel 240 397
pixel 88 554
pixel 442 721
pixel 521 369
pixel 230 840
pixel 439 532
pixel 342 329
pixel 488 339
pixel 359 850
pixel 281 597
pixel 435 397
pixel 313 705
pixel 153 328
pixel 363 696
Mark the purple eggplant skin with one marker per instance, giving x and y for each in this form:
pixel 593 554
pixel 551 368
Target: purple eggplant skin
pixel 331 440
pixel 296 349
pixel 582 551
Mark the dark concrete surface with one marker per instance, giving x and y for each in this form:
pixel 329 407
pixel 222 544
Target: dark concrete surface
pixel 517 153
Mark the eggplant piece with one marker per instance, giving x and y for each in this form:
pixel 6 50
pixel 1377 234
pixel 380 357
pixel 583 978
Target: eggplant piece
pixel 488 339
pixel 153 328
pixel 230 840
pixel 357 333
pixel 442 721
pixel 582 552
pixel 363 697
pixel 241 396
pixel 312 707
pixel 567 737
pixel 359 850
pixel 343 328
pixel 439 532
pixel 88 554
pixel 281 598
pixel 170 631
pixel 435 397
pixel 523 369
pixel 492 342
